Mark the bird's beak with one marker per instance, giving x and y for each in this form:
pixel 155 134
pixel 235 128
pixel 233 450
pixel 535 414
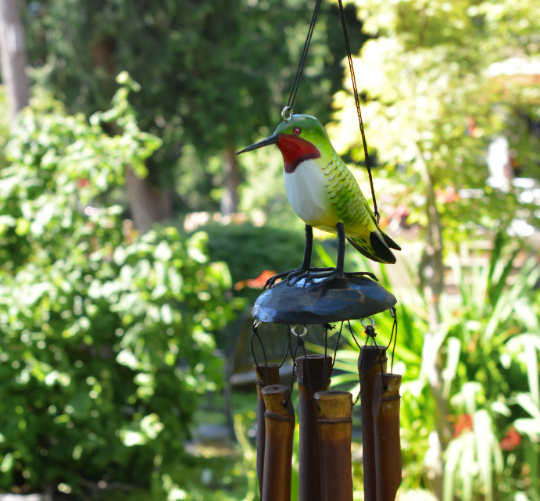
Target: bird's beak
pixel 273 139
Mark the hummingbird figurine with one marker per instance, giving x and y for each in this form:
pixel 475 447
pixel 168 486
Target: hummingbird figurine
pixel 325 195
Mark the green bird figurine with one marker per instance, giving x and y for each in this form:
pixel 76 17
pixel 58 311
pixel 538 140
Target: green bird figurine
pixel 325 195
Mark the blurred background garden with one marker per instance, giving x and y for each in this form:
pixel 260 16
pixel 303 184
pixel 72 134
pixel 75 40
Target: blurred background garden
pixel 133 242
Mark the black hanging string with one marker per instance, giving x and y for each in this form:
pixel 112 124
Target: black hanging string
pixel 293 354
pixel 393 337
pixel 357 102
pixel 288 345
pixel 337 344
pixel 352 333
pixel 255 334
pixel 306 365
pixel 327 327
pixel 370 332
pixel 305 50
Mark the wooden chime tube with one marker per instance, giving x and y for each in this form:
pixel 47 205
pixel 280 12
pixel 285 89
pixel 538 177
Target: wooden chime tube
pixel 310 374
pixel 335 430
pixel 386 402
pixel 279 425
pixel 372 360
pixel 273 378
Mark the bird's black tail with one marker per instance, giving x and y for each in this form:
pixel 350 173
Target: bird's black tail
pixel 378 247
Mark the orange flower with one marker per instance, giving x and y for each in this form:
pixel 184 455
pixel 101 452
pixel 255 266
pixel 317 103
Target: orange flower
pixel 464 423
pixel 511 440
pixel 255 283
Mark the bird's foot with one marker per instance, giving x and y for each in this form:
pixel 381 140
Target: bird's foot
pixel 331 274
pixel 293 276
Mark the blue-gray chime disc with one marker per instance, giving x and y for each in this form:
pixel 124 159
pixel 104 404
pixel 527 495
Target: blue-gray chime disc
pixel 341 299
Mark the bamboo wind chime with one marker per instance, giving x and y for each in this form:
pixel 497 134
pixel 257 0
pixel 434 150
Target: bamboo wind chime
pixel 324 296
pixel 325 423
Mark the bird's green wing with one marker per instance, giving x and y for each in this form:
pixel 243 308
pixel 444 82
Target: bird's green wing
pixel 346 199
pixel 352 209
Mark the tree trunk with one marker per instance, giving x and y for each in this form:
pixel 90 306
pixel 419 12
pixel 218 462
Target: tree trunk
pixel 149 205
pixel 13 51
pixel 431 275
pixel 229 201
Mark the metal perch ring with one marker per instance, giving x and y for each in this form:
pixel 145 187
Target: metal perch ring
pixel 284 112
pixel 296 333
pixel 364 325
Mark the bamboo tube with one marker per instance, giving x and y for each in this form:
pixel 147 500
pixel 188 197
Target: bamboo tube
pixel 273 378
pixel 310 373
pixel 279 424
pixel 387 443
pixel 369 364
pixel 335 429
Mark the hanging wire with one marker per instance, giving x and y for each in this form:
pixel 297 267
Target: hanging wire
pixel 293 354
pixel 306 365
pixel 371 334
pixel 393 337
pixel 327 327
pixel 358 111
pixel 305 50
pixel 352 333
pixel 288 345
pixel 255 334
pixel 337 344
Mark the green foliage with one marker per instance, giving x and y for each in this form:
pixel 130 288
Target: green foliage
pixel 492 342
pixel 3 125
pixel 214 73
pixel 489 342
pixel 249 250
pixel 432 109
pixel 105 337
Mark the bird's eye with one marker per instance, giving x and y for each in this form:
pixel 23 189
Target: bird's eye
pixel 296 131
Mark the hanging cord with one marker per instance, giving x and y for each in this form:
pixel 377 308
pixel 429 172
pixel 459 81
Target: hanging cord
pixel 370 333
pixel 357 102
pixel 354 337
pixel 303 57
pixel 327 327
pixel 293 354
pixel 352 333
pixel 288 345
pixel 255 334
pixel 393 337
pixel 310 387
pixel 337 344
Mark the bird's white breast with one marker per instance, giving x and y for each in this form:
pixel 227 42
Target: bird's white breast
pixel 306 193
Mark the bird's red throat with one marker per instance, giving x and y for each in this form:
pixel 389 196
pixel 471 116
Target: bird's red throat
pixel 296 150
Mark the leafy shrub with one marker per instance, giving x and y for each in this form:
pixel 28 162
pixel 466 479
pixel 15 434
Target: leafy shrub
pixel 248 250
pixel 105 337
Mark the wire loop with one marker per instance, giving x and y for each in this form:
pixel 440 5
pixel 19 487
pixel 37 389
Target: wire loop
pixel 296 333
pixel 287 117
pixel 366 326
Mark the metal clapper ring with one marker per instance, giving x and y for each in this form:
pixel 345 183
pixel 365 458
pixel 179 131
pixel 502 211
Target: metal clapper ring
pixel 256 324
pixel 284 113
pixel 296 333
pixel 364 325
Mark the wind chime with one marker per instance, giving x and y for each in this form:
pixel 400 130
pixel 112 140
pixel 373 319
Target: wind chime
pixel 325 195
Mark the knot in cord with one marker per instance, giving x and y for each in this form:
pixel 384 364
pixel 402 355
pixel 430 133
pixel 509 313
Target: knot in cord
pixel 370 331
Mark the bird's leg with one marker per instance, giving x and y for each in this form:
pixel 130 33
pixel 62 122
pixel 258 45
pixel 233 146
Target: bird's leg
pixel 304 270
pixel 340 265
pixel 339 270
